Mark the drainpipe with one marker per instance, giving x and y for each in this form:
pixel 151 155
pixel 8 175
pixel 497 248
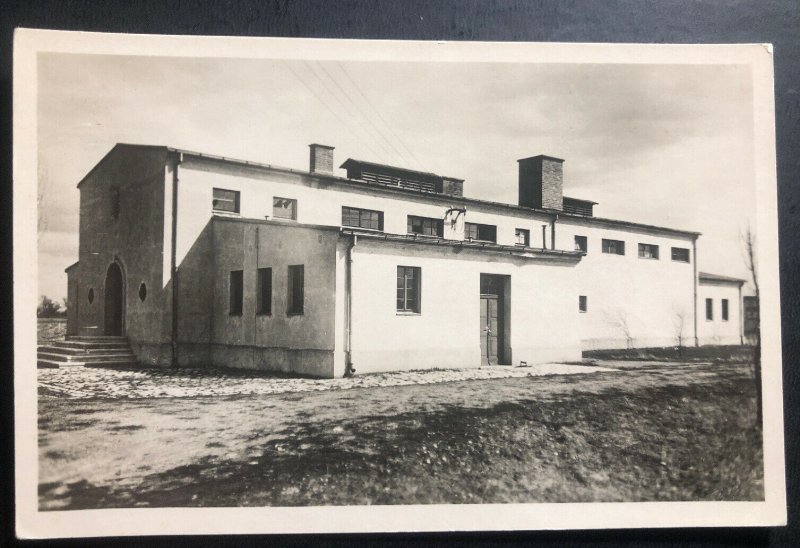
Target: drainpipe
pixel 544 236
pixel 694 259
pixel 553 232
pixel 349 370
pixel 741 316
pixel 174 264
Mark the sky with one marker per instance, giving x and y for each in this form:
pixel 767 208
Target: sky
pixel 670 145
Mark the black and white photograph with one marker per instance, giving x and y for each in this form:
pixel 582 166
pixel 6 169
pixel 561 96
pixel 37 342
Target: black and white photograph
pixel 287 285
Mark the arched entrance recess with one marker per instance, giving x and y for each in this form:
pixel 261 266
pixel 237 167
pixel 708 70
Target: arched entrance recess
pixel 114 300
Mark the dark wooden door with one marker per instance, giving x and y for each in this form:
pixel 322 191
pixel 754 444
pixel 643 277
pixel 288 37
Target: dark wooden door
pixel 113 301
pixel 491 327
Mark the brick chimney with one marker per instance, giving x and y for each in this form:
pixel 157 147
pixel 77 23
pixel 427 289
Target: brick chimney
pixel 321 159
pixel 541 182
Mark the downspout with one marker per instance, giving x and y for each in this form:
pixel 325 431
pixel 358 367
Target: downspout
pixel 741 316
pixel 174 264
pixel 349 370
pixel 694 259
pixel 553 232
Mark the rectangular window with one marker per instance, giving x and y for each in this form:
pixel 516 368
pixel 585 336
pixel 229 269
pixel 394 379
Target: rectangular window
pixel 226 200
pixel 680 254
pixel 284 208
pixel 425 226
pixel 709 309
pixel 484 233
pixel 236 291
pixel 362 218
pixel 581 244
pixel 724 310
pixel 615 247
pixel 523 236
pixel 648 251
pixel 408 288
pixel 296 289
pixel 264 292
pixel 582 303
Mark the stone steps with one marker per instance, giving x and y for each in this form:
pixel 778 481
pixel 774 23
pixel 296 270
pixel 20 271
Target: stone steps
pixel 86 351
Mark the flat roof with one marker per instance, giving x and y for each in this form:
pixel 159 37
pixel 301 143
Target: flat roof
pixel 708 277
pixel 392 189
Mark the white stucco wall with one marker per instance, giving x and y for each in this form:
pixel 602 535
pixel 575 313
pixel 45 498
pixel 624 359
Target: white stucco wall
pixel 719 331
pixel 649 295
pixel 446 333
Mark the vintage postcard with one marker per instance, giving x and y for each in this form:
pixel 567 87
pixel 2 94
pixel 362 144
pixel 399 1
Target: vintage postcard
pixel 284 285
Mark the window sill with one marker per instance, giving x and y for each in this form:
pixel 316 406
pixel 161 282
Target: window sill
pixel 294 313
pixel 679 261
pixel 649 258
pixel 418 235
pixel 374 230
pixel 408 313
pixel 264 314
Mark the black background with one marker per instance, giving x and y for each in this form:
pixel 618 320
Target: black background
pixel 654 21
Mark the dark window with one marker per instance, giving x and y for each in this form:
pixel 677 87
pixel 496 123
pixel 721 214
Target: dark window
pixel 284 208
pixel 615 247
pixel 264 292
pixel 115 203
pixel 296 289
pixel 408 288
pixel 709 309
pixel 226 200
pixel 523 236
pixel 236 293
pixel 582 304
pixel 724 310
pixel 648 251
pixel 362 218
pixel 425 226
pixel 680 254
pixel 142 292
pixel 581 244
pixel 90 295
pixel 485 233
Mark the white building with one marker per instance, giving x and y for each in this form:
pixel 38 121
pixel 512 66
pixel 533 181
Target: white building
pixel 206 260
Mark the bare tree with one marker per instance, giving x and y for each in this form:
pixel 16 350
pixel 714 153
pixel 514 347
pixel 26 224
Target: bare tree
pixel 752 265
pixel 679 320
pixel 619 320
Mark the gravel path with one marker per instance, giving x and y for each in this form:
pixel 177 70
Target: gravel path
pixel 77 382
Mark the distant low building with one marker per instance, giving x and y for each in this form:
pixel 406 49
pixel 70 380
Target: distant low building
pixel 720 304
pixel 199 259
pixel 752 321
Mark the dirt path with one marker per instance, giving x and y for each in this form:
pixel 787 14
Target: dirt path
pixel 491 440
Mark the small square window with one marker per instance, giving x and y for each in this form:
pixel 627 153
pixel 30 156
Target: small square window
pixel 523 236
pixel 425 226
pixel 582 303
pixel 648 251
pixel 226 200
pixel 613 247
pixel 408 288
pixel 483 233
pixel 680 254
pixel 236 290
pixel 284 208
pixel 581 244
pixel 296 290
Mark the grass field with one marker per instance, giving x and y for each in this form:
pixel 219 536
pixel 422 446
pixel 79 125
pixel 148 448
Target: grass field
pixel 657 432
pixel 714 354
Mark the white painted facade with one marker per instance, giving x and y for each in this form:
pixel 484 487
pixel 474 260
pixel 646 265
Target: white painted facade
pixel 718 328
pixel 557 301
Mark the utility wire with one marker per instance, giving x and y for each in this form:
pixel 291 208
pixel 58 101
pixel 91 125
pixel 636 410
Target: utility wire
pixel 382 119
pixel 324 103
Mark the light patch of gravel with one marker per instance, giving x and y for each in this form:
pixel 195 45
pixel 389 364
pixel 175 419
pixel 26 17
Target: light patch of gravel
pixel 77 382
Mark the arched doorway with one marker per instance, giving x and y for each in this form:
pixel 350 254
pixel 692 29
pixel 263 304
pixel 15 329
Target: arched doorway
pixel 113 300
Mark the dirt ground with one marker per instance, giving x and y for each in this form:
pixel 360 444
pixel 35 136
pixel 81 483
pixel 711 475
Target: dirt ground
pixel 648 432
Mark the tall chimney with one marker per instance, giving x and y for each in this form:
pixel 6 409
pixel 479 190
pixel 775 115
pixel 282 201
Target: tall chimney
pixel 321 159
pixel 541 182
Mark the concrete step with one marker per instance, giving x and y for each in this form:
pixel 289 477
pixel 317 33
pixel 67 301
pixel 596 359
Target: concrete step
pixel 87 345
pixel 86 358
pixel 71 351
pixel 47 364
pixel 97 338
